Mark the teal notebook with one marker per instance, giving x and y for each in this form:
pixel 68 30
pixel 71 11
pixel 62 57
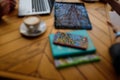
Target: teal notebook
pixel 62 51
pixel 71 61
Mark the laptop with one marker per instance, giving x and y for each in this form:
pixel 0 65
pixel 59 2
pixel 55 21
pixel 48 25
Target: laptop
pixel 35 7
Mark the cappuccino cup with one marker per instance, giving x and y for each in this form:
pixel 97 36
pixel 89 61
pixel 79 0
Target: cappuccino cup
pixel 32 23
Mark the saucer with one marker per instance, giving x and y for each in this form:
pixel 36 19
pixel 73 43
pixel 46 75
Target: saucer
pixel 41 29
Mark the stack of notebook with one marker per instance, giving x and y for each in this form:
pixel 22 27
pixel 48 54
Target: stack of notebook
pixel 69 55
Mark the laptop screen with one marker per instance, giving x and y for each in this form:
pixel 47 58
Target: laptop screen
pixel 51 2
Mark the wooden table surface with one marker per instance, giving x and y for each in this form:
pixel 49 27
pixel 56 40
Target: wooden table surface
pixel 31 59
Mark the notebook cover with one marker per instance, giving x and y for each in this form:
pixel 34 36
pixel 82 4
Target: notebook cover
pixel 71 40
pixel 72 61
pixel 69 15
pixel 62 51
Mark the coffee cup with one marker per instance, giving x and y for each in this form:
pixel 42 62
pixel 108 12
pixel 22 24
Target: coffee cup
pixel 32 23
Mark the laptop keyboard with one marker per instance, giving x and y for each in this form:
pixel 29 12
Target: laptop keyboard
pixel 33 7
pixel 39 5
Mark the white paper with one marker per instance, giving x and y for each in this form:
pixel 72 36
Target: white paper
pixel 114 18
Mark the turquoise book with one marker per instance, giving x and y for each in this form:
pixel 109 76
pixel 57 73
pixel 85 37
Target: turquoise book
pixel 63 51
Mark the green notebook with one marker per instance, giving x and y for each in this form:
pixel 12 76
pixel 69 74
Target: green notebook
pixel 62 51
pixel 71 61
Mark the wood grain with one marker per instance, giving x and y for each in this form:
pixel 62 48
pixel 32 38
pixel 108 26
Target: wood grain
pixel 31 59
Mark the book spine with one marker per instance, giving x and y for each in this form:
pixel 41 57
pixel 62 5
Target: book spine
pixel 64 55
pixel 66 62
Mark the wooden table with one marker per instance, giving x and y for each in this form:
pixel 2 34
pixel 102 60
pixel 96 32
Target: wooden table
pixel 31 59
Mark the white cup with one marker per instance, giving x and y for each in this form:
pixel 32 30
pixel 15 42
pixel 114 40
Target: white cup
pixel 32 23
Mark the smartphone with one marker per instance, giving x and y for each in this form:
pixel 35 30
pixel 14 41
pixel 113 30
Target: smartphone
pixel 71 40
